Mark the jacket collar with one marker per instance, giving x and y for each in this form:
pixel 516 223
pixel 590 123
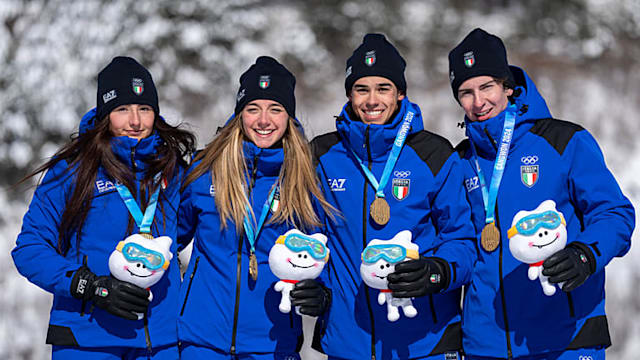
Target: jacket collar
pixel 267 161
pixel 380 137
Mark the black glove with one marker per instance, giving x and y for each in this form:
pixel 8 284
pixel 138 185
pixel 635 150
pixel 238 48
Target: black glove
pixel 312 297
pixel 571 265
pixel 414 278
pixel 120 298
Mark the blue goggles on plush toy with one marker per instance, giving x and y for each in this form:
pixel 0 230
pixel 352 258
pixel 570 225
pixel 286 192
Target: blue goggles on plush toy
pixel 298 242
pixel 391 253
pixel 529 224
pixel 133 252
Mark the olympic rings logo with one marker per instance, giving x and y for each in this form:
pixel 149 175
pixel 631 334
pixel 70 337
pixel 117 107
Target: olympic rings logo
pixel 528 160
pixel 401 174
pixel 585 357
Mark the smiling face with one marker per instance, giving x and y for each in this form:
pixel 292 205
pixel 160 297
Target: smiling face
pixel 264 122
pixel 291 265
pixel 539 245
pixel 375 275
pixel 374 99
pixel 483 98
pixel 132 120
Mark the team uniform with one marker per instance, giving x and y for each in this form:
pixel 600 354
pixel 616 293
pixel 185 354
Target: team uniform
pixel 76 324
pixel 506 315
pixel 425 197
pixel 223 312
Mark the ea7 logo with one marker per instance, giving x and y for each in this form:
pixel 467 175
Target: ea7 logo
pixel 212 190
pixel 471 183
pixel 337 184
pixel 104 185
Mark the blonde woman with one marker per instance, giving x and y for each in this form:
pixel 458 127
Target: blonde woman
pixel 251 184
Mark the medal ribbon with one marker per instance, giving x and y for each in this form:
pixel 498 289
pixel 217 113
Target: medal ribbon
pixel 252 234
pixel 143 221
pixel 401 136
pixel 489 198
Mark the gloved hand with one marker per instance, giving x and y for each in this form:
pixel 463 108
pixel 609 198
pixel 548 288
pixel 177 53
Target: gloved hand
pixel 312 297
pixel 420 277
pixel 571 265
pixel 120 298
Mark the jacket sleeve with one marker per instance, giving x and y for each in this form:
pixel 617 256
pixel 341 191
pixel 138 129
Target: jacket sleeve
pixel 607 216
pixel 36 256
pixel 452 217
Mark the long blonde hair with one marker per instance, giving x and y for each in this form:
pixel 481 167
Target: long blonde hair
pixel 298 182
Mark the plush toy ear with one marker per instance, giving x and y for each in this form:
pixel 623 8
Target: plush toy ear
pixel 165 242
pixel 403 235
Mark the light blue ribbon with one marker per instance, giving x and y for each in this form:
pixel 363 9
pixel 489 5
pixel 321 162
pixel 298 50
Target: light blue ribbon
pixel 489 198
pixel 143 221
pixel 401 136
pixel 252 233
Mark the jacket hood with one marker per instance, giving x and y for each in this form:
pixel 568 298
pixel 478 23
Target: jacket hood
pixel 380 138
pixel 530 106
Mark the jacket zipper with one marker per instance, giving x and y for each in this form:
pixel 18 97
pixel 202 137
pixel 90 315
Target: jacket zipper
pixel 147 336
pixel 571 309
pixel 433 309
pixel 364 244
pixel 236 308
pixel 193 273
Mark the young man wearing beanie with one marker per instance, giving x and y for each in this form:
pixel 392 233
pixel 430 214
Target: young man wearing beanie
pixel 515 158
pixel 385 174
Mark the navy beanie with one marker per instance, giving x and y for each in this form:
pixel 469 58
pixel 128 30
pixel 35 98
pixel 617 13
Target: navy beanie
pixel 124 81
pixel 376 57
pixel 267 79
pixel 480 53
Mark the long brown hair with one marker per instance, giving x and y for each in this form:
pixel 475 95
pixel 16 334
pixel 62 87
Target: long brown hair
pixel 298 182
pixel 89 150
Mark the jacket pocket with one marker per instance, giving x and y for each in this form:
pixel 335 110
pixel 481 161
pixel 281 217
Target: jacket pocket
pixel 186 296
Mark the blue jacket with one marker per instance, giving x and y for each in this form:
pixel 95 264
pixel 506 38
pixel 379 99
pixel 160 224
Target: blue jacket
pixel 505 313
pixel 221 306
pixel 73 322
pixel 436 212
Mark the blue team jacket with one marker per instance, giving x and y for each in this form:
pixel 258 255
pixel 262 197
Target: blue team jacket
pixel 221 306
pixel 505 314
pixel 434 209
pixel 73 322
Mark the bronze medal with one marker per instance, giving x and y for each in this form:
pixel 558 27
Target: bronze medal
pixel 380 211
pixel 490 237
pixel 253 266
pixel 147 236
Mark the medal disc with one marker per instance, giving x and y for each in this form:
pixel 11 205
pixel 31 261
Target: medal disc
pixel 253 266
pixel 147 236
pixel 490 237
pixel 380 211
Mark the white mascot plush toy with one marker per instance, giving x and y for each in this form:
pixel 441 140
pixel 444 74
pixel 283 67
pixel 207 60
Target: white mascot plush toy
pixel 141 261
pixel 534 236
pixel 378 261
pixel 296 256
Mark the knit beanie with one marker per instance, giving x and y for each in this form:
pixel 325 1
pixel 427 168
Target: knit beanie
pixel 124 81
pixel 480 53
pixel 376 57
pixel 267 79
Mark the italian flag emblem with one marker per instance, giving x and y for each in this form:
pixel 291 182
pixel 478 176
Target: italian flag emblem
pixel 264 81
pixel 275 204
pixel 401 188
pixel 137 85
pixel 370 58
pixel 529 174
pixel 469 59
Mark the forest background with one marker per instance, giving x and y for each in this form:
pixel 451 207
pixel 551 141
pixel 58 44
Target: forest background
pixel 582 54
